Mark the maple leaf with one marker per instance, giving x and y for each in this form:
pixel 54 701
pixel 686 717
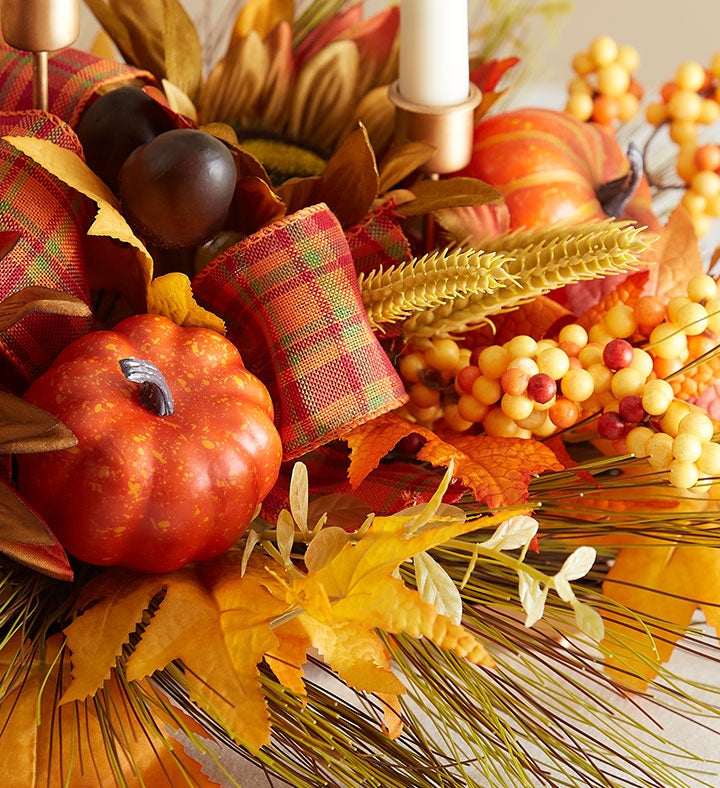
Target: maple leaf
pixel 535 318
pixel 217 623
pixel 497 470
pixel 628 291
pixel 664 584
pixel 680 258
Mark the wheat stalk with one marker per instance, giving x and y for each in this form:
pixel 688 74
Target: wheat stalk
pixel 537 263
pixel 396 293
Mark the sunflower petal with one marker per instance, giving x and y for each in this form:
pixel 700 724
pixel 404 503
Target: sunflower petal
pixel 262 16
pixel 325 93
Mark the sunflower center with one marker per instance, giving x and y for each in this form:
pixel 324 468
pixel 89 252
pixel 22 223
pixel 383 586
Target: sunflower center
pixel 283 160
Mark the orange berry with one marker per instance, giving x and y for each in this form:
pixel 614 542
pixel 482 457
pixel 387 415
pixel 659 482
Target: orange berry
pixel 668 90
pixel 466 377
pixel 514 381
pixel 564 413
pixel 605 110
pixel 707 157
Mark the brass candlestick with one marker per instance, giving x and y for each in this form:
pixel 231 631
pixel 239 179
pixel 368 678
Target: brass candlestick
pixel 40 27
pixel 449 129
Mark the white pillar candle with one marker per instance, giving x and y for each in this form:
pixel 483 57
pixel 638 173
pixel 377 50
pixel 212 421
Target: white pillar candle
pixel 434 52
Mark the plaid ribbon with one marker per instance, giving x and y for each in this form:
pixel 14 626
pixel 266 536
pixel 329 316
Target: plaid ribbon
pixel 51 220
pixel 378 240
pixel 74 77
pixel 290 299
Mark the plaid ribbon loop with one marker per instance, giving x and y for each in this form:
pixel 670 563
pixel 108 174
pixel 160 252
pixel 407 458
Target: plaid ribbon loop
pixel 290 298
pixel 50 220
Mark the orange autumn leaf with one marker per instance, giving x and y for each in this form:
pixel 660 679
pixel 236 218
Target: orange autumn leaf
pixel 680 258
pixel 627 292
pixel 497 470
pixel 664 584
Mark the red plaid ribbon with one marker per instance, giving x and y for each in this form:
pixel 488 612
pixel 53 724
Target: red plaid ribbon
pixel 73 78
pixel 289 296
pixel 378 240
pixel 51 220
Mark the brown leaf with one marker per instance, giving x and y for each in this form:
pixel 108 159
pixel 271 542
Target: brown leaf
pixel 26 429
pixel 349 183
pixel 431 195
pixel 183 50
pixel 255 205
pixel 25 538
pixel 39 299
pixel 17 522
pixel 401 161
pixel 114 27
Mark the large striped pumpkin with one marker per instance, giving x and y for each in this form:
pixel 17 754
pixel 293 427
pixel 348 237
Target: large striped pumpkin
pixel 549 166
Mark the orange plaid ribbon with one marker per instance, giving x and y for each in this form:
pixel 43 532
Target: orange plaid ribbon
pixel 290 298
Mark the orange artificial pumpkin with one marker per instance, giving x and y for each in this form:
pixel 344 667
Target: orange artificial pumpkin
pixel 163 473
pixel 551 167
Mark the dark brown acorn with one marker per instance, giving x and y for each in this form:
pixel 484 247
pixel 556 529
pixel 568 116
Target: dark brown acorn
pixel 177 188
pixel 114 125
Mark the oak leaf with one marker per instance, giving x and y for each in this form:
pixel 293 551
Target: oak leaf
pixel 497 470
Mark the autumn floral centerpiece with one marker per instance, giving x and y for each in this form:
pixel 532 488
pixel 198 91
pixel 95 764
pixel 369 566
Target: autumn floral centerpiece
pixel 323 469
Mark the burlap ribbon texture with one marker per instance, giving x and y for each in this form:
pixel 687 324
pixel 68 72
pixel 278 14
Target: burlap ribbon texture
pixel 288 294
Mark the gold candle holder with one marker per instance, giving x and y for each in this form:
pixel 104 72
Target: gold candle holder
pixel 39 27
pixel 449 129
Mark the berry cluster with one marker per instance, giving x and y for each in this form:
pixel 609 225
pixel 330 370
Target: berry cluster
pixel 690 100
pixel 603 89
pixel 612 375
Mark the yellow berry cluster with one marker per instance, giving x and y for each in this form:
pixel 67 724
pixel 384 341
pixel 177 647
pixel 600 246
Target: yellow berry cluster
pixel 603 88
pixel 690 100
pixel 613 374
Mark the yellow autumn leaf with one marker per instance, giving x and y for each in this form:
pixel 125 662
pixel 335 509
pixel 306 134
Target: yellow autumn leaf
pixel 47 744
pixel 661 583
pixel 358 592
pixel 171 295
pixel 212 619
pixel 72 170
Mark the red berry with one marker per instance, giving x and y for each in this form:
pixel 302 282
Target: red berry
pixel 631 409
pixel 618 354
pixel 466 377
pixel 611 425
pixel 541 388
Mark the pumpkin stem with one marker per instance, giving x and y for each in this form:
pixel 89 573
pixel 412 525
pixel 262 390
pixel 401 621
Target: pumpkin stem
pixel 615 195
pixel 155 394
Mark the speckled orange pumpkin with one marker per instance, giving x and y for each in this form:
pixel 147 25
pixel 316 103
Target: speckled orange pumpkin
pixel 551 167
pixel 146 491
